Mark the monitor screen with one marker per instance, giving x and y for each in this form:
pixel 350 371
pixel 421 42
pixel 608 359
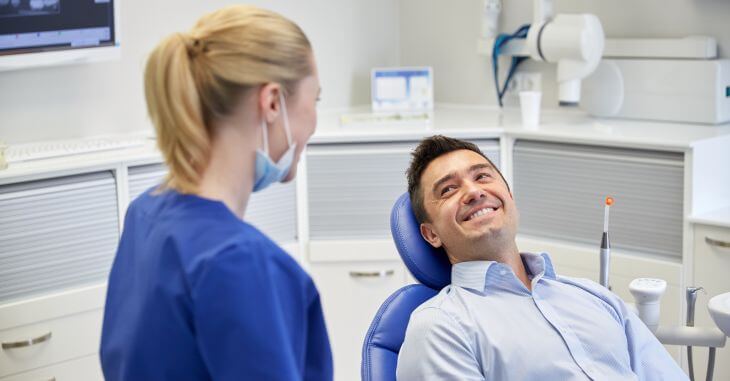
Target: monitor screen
pixel 30 26
pixel 403 89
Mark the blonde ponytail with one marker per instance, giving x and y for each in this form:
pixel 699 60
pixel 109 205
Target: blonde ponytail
pixel 192 79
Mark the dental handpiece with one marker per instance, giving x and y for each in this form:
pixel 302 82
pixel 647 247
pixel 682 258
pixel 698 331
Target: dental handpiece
pixel 691 297
pixel 605 247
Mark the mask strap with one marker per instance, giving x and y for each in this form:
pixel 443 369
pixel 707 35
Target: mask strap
pixel 266 136
pixel 286 118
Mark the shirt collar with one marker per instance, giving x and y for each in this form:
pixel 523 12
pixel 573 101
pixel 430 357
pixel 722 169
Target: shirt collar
pixel 473 274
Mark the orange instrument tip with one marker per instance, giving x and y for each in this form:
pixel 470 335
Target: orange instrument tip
pixel 609 200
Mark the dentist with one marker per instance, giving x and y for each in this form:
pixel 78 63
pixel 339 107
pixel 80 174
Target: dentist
pixel 195 292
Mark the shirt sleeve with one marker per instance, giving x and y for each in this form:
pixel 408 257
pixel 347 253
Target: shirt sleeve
pixel 649 359
pixel 436 348
pixel 240 321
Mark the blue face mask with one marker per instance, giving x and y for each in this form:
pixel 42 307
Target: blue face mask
pixel 268 172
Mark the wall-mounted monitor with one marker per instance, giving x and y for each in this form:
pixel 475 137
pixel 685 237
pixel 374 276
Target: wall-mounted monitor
pixel 402 89
pixel 55 32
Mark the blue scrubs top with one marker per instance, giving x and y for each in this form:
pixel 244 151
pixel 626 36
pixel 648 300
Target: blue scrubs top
pixel 197 294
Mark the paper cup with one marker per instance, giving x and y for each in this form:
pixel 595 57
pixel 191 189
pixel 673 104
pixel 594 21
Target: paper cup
pixel 530 106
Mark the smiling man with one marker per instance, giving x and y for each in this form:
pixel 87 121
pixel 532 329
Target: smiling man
pixel 506 314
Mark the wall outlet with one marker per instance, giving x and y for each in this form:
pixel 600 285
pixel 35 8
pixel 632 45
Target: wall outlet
pixel 524 81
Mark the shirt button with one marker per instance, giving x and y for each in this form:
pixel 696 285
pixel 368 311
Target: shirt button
pixel 502 272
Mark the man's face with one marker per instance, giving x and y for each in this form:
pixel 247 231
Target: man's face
pixel 472 213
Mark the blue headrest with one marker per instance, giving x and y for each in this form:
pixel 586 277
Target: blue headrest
pixel 428 265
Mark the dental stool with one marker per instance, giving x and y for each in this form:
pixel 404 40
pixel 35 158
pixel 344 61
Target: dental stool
pixel 430 267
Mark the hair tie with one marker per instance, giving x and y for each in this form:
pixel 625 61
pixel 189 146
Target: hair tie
pixel 196 46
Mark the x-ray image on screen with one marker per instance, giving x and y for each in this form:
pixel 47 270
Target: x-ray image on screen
pixel 11 8
pixel 28 26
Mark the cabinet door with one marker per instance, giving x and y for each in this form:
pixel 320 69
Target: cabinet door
pixel 560 191
pixel 143 177
pixel 352 187
pixel 274 211
pixel 56 233
pixel 351 295
pixel 711 267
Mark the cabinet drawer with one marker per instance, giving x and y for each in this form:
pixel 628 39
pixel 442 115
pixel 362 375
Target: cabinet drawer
pixel 711 266
pixel 351 294
pixel 60 339
pixel 82 369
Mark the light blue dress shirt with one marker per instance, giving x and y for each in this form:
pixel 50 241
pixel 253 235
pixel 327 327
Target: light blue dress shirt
pixel 488 326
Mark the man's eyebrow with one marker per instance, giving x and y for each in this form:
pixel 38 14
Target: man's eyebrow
pixel 480 166
pixel 451 175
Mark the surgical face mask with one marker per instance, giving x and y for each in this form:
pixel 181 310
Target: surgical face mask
pixel 268 172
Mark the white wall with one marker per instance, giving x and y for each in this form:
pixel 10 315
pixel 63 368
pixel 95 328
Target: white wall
pixel 443 33
pixel 349 37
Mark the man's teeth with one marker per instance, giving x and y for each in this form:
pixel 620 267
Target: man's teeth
pixel 481 212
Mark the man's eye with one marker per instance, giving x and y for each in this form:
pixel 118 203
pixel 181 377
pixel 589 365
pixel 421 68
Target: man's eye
pixel 447 189
pixel 483 176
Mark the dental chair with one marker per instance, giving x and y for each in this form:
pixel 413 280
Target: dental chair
pixel 431 269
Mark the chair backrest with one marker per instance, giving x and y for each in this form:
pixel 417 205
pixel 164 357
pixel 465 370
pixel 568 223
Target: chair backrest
pixel 430 267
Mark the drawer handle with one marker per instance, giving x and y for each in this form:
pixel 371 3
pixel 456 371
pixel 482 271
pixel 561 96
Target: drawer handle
pixel 717 243
pixel 27 343
pixel 371 274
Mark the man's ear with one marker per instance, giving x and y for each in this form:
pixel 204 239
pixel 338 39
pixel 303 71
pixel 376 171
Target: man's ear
pixel 430 236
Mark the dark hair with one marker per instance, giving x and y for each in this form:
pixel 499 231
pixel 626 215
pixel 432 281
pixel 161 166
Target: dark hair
pixel 427 151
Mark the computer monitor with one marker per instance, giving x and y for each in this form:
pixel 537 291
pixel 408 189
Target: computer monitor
pixel 402 90
pixel 53 32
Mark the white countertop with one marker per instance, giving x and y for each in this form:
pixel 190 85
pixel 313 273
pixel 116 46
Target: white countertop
pixel 720 217
pixel 560 125
pixel 60 166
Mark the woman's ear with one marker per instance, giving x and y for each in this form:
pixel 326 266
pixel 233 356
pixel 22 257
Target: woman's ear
pixel 269 101
pixel 430 236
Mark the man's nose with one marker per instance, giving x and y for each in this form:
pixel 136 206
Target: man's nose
pixel 472 192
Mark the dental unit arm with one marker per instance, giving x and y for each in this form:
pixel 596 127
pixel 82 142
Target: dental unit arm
pixel 647 293
pixel 575 42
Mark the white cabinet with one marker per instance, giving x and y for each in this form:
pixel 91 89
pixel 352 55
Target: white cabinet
pixel 560 190
pixel 351 188
pixel 711 271
pixel 58 237
pixel 351 293
pixel 56 233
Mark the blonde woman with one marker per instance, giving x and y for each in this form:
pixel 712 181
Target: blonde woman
pixel 196 293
